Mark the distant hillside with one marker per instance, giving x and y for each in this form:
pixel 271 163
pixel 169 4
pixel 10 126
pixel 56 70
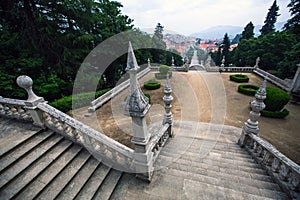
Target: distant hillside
pixel 218 32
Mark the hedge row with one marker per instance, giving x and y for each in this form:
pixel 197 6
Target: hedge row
pixel 239 78
pixel 276 114
pixel 152 84
pixel 276 99
pixel 65 103
pixel 248 89
pixel 162 76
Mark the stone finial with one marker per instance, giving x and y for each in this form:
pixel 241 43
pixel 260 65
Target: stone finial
pixel 257 62
pixel 168 100
pixel 223 62
pixel 137 104
pixel 26 83
pixel 172 61
pixel 149 64
pixel 131 60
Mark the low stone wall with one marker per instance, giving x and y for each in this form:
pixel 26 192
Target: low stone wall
pixel 284 171
pixel 273 79
pixel 97 103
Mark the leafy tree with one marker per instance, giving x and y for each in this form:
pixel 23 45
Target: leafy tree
pixel 271 18
pixel 53 37
pixel 248 31
pixel 293 24
pixel 176 56
pixel 287 67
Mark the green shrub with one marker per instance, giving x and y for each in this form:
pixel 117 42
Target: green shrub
pixel 276 99
pixel 275 114
pixel 248 89
pixel 152 84
pixel 239 78
pixel 164 69
pixel 83 99
pixel 149 97
pixel 162 76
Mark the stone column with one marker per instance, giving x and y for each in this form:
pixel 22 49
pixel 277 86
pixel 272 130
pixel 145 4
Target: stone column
pixel 31 103
pixel 168 117
pixel 137 106
pixel 251 125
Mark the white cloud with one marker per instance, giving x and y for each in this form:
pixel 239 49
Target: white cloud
pixel 189 16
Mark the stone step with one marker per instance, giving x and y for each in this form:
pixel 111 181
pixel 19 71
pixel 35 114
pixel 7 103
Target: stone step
pixel 107 187
pixel 92 185
pixel 64 177
pixel 228 184
pixel 258 174
pixel 23 148
pixel 125 182
pixel 31 157
pixel 199 190
pixel 44 178
pixel 12 136
pixel 211 157
pixel 79 180
pixel 225 176
pixel 30 173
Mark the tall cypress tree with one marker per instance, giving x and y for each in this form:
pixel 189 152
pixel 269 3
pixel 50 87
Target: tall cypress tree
pixel 225 49
pixel 270 21
pixel 248 31
pixel 293 24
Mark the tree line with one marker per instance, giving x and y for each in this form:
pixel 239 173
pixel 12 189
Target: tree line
pixel 278 50
pixel 48 40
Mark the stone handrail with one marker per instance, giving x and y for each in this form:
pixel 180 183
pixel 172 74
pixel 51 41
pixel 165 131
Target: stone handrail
pixel 285 172
pixel 238 69
pixel 97 103
pixel 273 79
pixel 14 108
pixel 158 140
pixel 99 145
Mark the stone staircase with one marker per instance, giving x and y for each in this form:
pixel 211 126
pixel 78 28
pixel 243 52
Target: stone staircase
pixel 40 164
pixel 202 161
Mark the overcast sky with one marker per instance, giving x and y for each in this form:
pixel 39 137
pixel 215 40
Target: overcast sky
pixel 190 16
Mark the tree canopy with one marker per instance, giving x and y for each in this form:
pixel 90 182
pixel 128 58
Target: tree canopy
pixel 248 31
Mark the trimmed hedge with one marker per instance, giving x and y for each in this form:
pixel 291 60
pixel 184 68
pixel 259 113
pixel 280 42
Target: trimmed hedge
pixel 65 103
pixel 162 76
pixel 152 84
pixel 239 78
pixel 276 114
pixel 149 97
pixel 164 69
pixel 248 89
pixel 276 99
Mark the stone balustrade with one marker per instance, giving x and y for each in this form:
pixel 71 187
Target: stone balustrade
pixel 97 103
pixel 14 108
pixel 285 172
pixel 102 147
pixel 273 79
pixel 158 140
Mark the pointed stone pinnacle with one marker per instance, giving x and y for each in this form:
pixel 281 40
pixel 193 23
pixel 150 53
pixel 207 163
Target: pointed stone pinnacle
pixel 131 60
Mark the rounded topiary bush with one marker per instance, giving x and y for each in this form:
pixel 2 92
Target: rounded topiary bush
pixel 149 97
pixel 239 78
pixel 164 69
pixel 162 76
pixel 248 89
pixel 276 99
pixel 275 114
pixel 152 84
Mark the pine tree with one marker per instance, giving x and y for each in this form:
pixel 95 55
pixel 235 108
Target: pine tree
pixel 270 21
pixel 225 49
pixel 293 24
pixel 248 31
pixel 159 54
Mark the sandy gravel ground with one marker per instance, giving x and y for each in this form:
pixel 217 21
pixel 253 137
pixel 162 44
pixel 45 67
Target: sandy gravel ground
pixel 200 97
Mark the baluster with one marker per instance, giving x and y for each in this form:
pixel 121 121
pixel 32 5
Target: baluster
pixel 283 172
pixel 294 181
pixel 267 158
pixel 275 165
pixel 2 112
pixel 58 125
pixel 48 119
